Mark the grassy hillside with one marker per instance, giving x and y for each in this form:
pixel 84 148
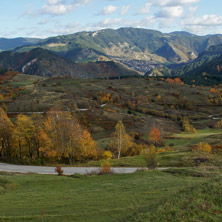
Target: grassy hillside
pixel 140 103
pixel 133 197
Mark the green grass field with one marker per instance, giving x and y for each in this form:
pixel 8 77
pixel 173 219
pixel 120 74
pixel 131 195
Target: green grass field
pixel 104 198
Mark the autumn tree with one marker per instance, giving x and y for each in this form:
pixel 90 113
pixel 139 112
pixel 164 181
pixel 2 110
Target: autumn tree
pixel 121 141
pixel 68 139
pixel 6 134
pixel 39 138
pixel 25 134
pixel 218 124
pixel 186 125
pixel 155 136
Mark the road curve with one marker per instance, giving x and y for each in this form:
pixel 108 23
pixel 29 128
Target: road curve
pixel 66 170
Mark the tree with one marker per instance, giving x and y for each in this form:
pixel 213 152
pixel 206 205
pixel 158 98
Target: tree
pixel 187 127
pixel 155 136
pixel 25 134
pixel 219 124
pixel 6 133
pixel 121 141
pixel 68 139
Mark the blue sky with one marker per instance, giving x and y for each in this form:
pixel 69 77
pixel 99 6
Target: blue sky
pixel 43 18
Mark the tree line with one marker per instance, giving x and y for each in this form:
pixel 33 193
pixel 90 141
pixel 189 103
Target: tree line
pixel 59 137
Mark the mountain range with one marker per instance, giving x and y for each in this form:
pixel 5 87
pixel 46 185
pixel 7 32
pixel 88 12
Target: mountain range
pixel 9 44
pixel 134 50
pixel 129 44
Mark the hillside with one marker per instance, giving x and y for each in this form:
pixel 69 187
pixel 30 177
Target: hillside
pixel 208 73
pixel 129 44
pixel 206 69
pixel 43 62
pixel 206 56
pixel 8 44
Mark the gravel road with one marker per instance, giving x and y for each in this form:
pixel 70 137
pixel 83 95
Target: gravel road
pixel 51 170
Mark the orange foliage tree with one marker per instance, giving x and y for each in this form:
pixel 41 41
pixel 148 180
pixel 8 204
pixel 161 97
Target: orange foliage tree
pixel 155 136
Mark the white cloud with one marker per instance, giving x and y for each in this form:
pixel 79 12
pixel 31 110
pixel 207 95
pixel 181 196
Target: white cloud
pixel 108 23
pixel 107 10
pixel 171 12
pixel 52 2
pixel 145 9
pixel 165 15
pixel 206 20
pixel 43 22
pixel 203 25
pixel 192 9
pixel 173 2
pixel 57 7
pixel 124 10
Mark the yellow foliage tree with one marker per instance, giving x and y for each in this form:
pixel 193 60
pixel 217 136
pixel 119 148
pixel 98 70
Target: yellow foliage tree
pixel 187 127
pixel 204 147
pixel 107 155
pixel 121 141
pixel 6 133
pixel 219 124
pixel 26 135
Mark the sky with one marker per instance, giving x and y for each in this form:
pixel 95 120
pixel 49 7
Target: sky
pixel 45 18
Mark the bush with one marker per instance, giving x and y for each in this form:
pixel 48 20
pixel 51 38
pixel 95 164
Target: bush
pixel 204 147
pixel 59 170
pixel 151 157
pixel 105 167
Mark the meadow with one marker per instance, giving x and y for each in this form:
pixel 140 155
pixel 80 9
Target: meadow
pixel 142 196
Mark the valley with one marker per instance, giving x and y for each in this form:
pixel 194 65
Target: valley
pixel 121 125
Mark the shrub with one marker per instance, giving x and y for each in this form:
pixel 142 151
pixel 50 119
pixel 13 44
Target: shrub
pixel 59 170
pixel 163 150
pixel 204 147
pixel 151 157
pixel 105 167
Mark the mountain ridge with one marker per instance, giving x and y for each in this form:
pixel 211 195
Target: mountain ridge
pixel 11 43
pixel 129 44
pixel 46 63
